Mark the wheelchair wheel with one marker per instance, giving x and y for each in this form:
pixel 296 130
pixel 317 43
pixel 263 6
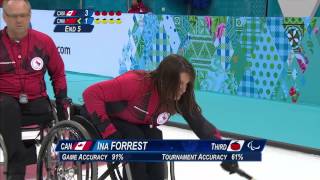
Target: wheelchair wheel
pixel 48 164
pixel 114 171
pixel 3 159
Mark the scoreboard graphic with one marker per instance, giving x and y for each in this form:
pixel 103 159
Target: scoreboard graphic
pixel 82 20
pixel 160 150
pixel 73 21
pixel 105 17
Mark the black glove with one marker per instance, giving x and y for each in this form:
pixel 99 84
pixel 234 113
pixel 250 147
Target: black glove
pixel 101 126
pixel 63 105
pixel 231 166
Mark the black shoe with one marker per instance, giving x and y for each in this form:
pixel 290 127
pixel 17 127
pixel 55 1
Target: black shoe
pixel 31 155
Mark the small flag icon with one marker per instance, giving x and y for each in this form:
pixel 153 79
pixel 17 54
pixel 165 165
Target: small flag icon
pixel 71 13
pixel 82 146
pixel 235 145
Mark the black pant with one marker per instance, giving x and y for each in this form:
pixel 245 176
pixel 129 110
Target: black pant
pixel 147 170
pixel 139 171
pixel 11 113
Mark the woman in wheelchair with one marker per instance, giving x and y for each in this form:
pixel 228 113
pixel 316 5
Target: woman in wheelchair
pixel 132 105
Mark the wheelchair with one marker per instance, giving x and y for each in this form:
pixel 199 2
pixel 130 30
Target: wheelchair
pixel 32 124
pixel 77 128
pixel 41 125
pixel 3 159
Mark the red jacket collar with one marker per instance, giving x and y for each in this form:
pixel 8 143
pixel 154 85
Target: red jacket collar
pixel 7 38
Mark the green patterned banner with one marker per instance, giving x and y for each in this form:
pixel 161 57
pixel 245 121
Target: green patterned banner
pixel 266 58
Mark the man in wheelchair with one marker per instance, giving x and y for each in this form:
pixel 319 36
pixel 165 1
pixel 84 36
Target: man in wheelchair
pixel 25 57
pixel 132 105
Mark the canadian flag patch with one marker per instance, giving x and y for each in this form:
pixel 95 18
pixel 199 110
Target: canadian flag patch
pixel 82 146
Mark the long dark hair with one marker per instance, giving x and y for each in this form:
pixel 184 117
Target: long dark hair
pixel 167 81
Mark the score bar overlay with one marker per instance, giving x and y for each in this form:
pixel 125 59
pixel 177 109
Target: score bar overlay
pixel 74 21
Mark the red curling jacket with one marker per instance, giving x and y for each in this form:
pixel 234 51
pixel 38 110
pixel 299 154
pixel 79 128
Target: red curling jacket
pixel 133 97
pixel 23 66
